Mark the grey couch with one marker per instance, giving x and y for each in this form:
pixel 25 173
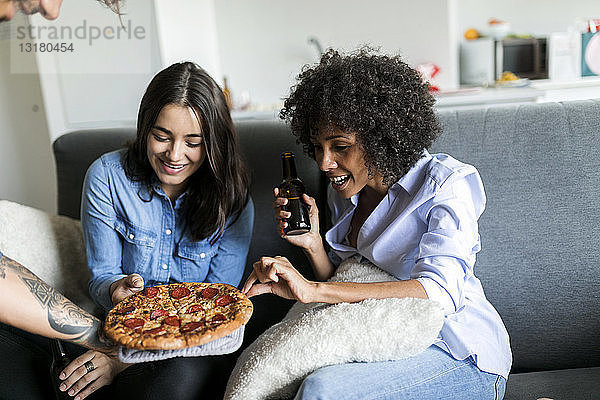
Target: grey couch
pixel 540 263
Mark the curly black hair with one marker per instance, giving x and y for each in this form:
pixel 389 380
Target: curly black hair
pixel 378 97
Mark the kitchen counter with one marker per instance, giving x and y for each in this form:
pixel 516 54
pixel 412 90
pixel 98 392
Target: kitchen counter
pixel 258 115
pixel 462 98
pixel 580 89
pixel 470 97
pixel 539 91
pixel 584 82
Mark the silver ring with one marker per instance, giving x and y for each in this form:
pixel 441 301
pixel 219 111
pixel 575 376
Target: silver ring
pixel 89 367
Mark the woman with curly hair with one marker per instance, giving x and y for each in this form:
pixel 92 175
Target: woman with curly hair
pixel 367 120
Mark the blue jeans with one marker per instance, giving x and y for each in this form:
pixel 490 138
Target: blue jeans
pixel 433 374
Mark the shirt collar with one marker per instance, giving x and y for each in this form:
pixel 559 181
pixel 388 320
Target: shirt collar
pixel 411 180
pixel 158 189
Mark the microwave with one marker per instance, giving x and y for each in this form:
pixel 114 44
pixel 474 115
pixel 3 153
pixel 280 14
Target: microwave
pixel 527 58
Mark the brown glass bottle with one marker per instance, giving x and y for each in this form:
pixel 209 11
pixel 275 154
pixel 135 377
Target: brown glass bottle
pixel 227 93
pixel 292 188
pixel 60 360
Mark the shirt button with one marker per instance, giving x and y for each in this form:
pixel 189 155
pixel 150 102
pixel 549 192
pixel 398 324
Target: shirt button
pixel 202 255
pixel 165 266
pixel 168 231
pixel 131 236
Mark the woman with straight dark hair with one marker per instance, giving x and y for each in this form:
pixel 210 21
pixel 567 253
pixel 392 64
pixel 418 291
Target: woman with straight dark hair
pixel 172 207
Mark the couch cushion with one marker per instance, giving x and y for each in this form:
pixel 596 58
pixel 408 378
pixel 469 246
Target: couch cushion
pixel 50 246
pixel 262 143
pixel 540 259
pixel 73 153
pixel 571 384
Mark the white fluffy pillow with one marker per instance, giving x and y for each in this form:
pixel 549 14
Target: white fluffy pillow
pixel 312 336
pixel 49 245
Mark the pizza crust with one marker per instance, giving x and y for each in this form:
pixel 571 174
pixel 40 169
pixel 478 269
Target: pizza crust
pixel 224 329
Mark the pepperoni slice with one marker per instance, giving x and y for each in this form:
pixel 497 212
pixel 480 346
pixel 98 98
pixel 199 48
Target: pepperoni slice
pixel 126 310
pixel 190 327
pixel 156 331
pixel 150 292
pixel 224 300
pixel 180 292
pixel 194 308
pixel 158 313
pixel 172 320
pixel 134 323
pixel 218 318
pixel 209 292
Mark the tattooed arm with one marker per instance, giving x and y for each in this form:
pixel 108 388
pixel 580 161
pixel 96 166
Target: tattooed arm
pixel 29 303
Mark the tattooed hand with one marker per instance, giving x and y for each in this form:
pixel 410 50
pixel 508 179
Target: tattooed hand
pixel 36 299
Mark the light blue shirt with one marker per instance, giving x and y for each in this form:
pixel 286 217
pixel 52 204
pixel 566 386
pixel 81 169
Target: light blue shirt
pixel 128 231
pixel 425 228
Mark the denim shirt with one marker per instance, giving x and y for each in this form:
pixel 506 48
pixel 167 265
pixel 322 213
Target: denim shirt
pixel 426 229
pixel 126 230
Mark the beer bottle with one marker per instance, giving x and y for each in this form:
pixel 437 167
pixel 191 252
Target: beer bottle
pixel 60 360
pixel 227 94
pixel 292 188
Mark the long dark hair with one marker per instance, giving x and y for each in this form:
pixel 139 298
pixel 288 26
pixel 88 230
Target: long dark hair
pixel 219 188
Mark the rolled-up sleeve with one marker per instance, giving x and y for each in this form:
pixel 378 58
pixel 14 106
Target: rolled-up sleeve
pixel 229 263
pixel 446 253
pixel 102 243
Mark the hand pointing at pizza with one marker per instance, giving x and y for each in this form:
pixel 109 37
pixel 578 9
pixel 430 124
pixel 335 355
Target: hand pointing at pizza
pixel 278 276
pixel 125 287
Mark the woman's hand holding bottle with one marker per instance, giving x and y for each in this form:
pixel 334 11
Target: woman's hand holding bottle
pixel 310 241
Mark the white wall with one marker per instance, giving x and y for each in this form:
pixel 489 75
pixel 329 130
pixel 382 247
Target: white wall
pixel 26 164
pixel 94 86
pixel 536 17
pixel 187 32
pixel 100 83
pixel 263 43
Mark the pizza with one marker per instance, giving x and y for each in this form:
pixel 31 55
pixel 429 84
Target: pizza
pixel 177 316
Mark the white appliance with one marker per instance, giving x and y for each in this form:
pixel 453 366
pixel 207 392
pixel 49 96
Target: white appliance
pixel 477 62
pixel 564 56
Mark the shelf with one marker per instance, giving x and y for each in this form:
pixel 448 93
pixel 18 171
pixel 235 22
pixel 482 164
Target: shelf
pixel 488 96
pixel 584 82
